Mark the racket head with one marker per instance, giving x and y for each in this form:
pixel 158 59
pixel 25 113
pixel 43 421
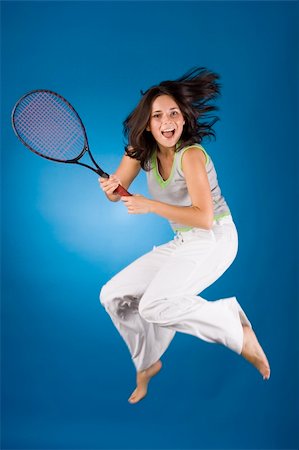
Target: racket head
pixel 48 125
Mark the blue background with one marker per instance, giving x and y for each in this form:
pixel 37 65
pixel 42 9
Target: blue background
pixel 66 372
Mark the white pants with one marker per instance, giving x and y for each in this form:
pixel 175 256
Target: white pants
pixel 156 295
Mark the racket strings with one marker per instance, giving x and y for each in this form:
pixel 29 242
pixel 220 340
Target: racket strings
pixel 49 126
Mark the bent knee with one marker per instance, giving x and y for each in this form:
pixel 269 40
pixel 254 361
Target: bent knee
pixel 104 296
pixel 108 299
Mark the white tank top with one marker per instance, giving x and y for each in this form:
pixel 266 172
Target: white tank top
pixel 174 190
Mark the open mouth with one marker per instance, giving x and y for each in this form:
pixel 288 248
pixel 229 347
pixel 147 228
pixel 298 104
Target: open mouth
pixel 168 133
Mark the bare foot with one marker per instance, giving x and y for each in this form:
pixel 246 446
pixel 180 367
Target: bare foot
pixel 253 352
pixel 143 378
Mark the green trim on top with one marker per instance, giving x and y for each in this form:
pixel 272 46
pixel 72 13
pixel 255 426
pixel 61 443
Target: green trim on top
pixel 219 216
pixel 183 229
pixel 162 183
pixel 198 146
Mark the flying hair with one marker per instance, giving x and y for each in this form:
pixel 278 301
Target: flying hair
pixel 192 91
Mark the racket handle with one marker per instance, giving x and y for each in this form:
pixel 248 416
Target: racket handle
pixel 121 191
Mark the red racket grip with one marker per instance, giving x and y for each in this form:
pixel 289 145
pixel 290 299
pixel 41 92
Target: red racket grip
pixel 121 191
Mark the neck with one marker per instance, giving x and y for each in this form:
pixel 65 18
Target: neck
pixel 166 151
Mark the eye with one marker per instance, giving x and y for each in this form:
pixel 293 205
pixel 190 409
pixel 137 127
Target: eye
pixel 174 113
pixel 155 116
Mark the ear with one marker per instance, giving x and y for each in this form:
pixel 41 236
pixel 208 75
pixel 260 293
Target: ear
pixel 148 128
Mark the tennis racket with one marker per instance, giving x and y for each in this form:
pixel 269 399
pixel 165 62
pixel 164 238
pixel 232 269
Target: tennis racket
pixel 49 126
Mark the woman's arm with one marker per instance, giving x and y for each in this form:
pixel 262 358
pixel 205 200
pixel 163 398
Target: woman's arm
pixel 200 213
pixel 124 175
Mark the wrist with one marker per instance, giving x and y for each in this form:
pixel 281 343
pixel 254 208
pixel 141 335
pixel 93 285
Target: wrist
pixel 152 206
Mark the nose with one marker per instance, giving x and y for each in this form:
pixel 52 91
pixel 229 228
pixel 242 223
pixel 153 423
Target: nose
pixel 166 119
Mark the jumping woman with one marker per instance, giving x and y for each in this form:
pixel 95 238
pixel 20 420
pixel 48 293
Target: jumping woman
pixel 157 294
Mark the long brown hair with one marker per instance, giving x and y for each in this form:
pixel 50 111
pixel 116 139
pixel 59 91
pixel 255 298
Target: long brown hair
pixel 191 92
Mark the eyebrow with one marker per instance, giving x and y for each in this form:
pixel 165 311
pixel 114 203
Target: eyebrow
pixel 176 107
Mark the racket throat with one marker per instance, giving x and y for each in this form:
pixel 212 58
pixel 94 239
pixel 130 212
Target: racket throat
pixel 97 170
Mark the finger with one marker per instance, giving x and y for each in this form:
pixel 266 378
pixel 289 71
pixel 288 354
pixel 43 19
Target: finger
pixel 112 191
pixel 104 184
pixel 112 184
pixel 114 178
pixel 109 185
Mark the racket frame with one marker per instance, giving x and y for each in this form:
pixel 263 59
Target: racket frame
pixel 119 190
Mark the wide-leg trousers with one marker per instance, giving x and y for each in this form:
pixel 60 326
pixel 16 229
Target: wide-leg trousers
pixel 157 294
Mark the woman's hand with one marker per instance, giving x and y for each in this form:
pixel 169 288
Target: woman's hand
pixel 137 204
pixel 108 185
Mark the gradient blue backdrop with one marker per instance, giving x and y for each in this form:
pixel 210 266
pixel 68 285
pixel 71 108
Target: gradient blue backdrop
pixel 66 372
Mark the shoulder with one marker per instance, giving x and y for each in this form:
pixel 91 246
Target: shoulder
pixel 129 157
pixel 193 155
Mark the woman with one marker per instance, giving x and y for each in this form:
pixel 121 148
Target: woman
pixel 156 295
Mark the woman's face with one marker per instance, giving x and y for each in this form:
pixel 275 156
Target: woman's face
pixel 166 122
